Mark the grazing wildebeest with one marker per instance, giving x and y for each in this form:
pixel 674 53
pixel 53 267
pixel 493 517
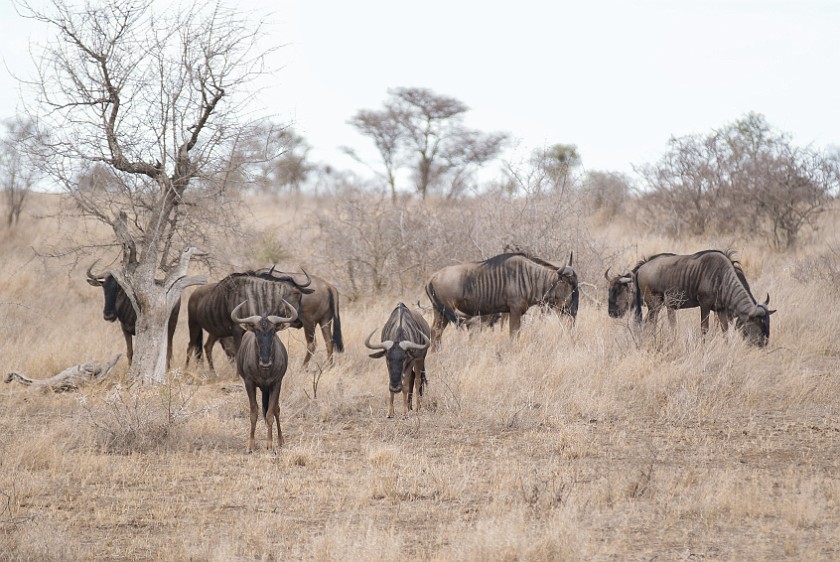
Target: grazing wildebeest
pixel 620 293
pixel 263 292
pixel 118 307
pixel 509 283
pixel 320 307
pixel 403 343
pixel 710 279
pixel 261 361
pixel 195 346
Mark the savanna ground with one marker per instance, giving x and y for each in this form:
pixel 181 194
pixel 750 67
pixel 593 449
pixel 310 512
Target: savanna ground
pixel 588 442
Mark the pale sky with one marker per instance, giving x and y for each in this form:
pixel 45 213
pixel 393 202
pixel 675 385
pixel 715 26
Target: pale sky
pixel 616 78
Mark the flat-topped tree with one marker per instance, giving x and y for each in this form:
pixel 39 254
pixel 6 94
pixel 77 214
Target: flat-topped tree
pixel 150 99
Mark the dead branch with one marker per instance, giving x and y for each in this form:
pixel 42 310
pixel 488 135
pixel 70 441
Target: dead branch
pixel 70 378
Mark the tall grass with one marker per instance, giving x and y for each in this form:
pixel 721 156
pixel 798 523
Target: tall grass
pixel 571 442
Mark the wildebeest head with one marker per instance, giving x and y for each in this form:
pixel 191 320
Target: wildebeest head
pixel 564 294
pixel 620 294
pixel 303 287
pixel 398 356
pixel 264 328
pixel 756 325
pixel 110 288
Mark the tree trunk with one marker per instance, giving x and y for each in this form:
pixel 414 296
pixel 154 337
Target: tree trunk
pixel 153 304
pixel 149 362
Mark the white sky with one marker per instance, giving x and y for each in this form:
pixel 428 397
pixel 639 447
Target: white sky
pixel 616 78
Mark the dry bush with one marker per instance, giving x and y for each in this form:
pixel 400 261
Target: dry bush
pixel 136 420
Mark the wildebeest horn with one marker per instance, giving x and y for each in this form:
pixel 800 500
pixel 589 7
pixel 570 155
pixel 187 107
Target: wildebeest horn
pixel 386 345
pixel 570 257
pixel 607 274
pixel 249 320
pixel 767 300
pixel 280 319
pixel 406 345
pixel 93 279
pixel 308 279
pixel 567 270
pixel 626 278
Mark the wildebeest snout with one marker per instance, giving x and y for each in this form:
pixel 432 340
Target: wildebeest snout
pixel 395 388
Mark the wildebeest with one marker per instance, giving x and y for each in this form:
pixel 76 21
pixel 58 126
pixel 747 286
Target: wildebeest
pixel 195 346
pixel 261 361
pixel 320 307
pixel 118 307
pixel 710 279
pixel 263 292
pixel 403 342
pixel 509 283
pixel 620 293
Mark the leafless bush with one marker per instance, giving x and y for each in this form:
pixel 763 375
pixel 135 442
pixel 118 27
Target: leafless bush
pixel 745 178
pixel 137 421
pixel 605 193
pixel 824 269
pixel 378 246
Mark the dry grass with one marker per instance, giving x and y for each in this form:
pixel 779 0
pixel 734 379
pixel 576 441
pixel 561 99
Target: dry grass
pixel 587 443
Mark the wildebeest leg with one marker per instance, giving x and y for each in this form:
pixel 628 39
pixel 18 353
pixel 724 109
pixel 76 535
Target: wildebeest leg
pixel 129 345
pixel 272 414
pixel 328 343
pixel 251 389
pixel 208 351
pixel 391 405
pixel 704 319
pixel 515 319
pixel 408 388
pixel 438 325
pixel 723 318
pixel 419 376
pixel 309 335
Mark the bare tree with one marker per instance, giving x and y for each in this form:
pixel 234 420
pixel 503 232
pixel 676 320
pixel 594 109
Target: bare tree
pixel 18 173
pixel 469 151
pixel 151 97
pixel 384 128
pixel 426 130
pixel 745 178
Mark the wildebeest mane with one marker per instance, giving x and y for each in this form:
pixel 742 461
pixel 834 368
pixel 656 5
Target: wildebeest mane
pixel 497 261
pixel 644 260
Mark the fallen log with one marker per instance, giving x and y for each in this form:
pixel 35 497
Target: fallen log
pixel 70 378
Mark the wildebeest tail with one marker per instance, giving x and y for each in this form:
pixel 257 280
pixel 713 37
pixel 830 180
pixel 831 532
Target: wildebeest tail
pixel 338 341
pixel 637 300
pixel 448 314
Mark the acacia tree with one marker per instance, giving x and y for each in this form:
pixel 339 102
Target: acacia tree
pixel 384 128
pixel 149 97
pixel 427 131
pixel 17 172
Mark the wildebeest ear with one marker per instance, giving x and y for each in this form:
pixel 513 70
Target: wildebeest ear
pixel 377 355
pixel 306 290
pixel 769 312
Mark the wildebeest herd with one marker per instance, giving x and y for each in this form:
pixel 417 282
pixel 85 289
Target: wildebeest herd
pixel 245 310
